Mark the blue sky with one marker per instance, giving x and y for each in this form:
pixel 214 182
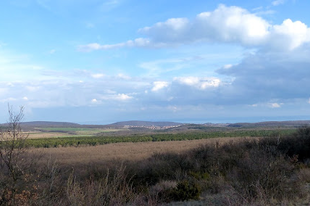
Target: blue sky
pixel 102 61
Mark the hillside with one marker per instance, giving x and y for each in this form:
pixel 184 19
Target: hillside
pixel 136 123
pixel 297 123
pixel 166 126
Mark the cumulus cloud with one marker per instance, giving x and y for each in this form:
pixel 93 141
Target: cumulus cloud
pixel 123 97
pixel 225 25
pixel 289 35
pixel 199 83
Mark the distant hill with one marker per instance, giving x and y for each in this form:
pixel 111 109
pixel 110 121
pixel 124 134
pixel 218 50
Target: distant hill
pixel 272 124
pixel 147 124
pixel 49 124
pixel 136 123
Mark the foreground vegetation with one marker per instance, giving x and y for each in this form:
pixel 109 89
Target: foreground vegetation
pixel 266 171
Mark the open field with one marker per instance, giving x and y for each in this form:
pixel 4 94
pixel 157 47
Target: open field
pixel 123 151
pixel 54 132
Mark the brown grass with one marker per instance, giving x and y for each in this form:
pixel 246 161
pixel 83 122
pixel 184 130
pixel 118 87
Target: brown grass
pixel 37 135
pixel 50 134
pixel 122 151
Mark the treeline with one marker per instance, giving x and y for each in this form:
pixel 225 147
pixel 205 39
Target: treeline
pixel 100 140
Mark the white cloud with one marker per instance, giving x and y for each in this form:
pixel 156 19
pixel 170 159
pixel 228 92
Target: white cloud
pixel 289 35
pixel 139 42
pixel 224 24
pixel 123 97
pixel 158 85
pixel 97 76
pixel 118 97
pixel 232 24
pixel 275 105
pixel 199 83
pixel 227 66
pixel 167 31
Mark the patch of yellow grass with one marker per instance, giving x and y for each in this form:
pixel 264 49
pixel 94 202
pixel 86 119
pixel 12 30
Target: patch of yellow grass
pixel 47 134
pixel 37 135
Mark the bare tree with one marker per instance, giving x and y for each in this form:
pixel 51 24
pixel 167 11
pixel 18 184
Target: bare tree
pixel 12 149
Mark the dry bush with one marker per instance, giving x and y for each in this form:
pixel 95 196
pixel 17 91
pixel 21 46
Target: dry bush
pixel 114 189
pixel 160 191
pixel 304 175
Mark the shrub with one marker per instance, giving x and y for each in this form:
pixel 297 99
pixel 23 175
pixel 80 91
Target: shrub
pixel 186 190
pixel 260 175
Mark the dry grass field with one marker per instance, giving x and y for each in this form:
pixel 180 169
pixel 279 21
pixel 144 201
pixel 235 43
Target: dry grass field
pixel 37 135
pixel 122 151
pixel 68 132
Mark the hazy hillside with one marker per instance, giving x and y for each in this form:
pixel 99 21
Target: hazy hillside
pixel 49 124
pixel 272 124
pixel 144 124
pixel 169 126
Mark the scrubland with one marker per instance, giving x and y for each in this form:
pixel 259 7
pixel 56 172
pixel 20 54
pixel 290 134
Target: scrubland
pixel 270 170
pixel 124 151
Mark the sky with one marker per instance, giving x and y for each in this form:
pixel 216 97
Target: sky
pixel 103 61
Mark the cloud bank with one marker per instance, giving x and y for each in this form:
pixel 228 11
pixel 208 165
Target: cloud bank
pixel 223 25
pixel 277 69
